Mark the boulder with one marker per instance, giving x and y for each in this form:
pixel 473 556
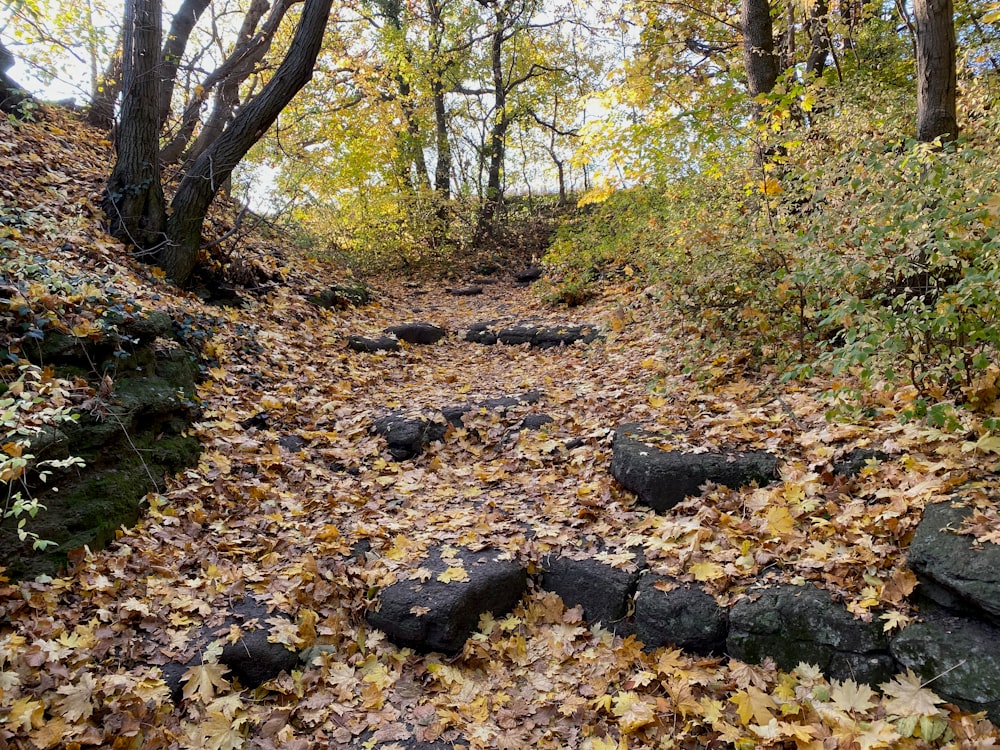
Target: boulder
pixel 435 615
pixel 252 659
pixel 686 617
pixel 417 333
pixel 959 655
pixel 536 421
pixel 662 478
pixel 601 590
pixel 369 345
pixel 408 434
pixel 342 295
pixel 547 338
pixel 481 333
pixel 292 443
pixel 465 291
pixel 529 275
pixel 132 438
pixel 793 624
pixel 541 337
pixel 953 570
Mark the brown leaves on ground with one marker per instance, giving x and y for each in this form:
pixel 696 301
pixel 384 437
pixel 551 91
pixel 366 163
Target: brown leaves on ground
pixel 318 531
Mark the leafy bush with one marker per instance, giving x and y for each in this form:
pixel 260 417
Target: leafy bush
pixel 31 406
pixel 847 250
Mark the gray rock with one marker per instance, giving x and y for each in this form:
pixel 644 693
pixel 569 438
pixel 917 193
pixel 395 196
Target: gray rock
pixel 542 337
pixel 793 624
pixel 852 464
pixel 536 421
pixel 515 335
pixel 662 479
pixel 292 443
pixel 601 590
pixel 369 345
pixel 252 659
pixel 685 617
pixel 417 333
pixel 342 295
pixel 408 434
pixel 529 275
pixel 452 609
pixel 953 571
pixel 465 291
pixel 961 656
pixel 481 333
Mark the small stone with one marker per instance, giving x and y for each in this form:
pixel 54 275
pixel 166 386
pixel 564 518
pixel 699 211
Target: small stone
pixel 372 345
pixel 465 291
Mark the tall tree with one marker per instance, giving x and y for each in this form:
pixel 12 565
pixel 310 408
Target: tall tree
pixel 133 200
pixel 758 46
pixel 935 45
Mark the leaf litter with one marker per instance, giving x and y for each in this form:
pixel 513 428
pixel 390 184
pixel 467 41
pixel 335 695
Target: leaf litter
pixel 316 532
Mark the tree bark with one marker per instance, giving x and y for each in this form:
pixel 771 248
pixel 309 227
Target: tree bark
pixel 11 95
pixel 936 84
pixel 496 145
pixel 173 49
pixel 133 199
pixel 249 50
pixel 101 113
pixel 442 169
pixel 213 168
pixel 819 34
pixel 758 47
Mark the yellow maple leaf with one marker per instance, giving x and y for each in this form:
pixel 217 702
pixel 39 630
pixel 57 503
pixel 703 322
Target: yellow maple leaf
pixel 632 711
pixel 850 696
pixel 454 574
pixel 910 697
pixel 780 522
pixel 203 680
pixel 754 704
pixel 25 714
pixel 706 571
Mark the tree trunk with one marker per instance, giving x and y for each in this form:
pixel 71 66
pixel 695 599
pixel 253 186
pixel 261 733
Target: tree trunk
pixel 101 113
pixel 11 95
pixel 819 34
pixel 758 47
pixel 442 169
pixel 173 49
pixel 497 138
pixel 213 168
pixel 935 43
pixel 133 199
pixel 250 49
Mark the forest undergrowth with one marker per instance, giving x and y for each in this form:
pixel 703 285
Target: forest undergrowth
pixel 80 654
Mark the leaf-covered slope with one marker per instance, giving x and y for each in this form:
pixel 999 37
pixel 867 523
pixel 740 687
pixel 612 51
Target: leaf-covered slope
pixel 317 527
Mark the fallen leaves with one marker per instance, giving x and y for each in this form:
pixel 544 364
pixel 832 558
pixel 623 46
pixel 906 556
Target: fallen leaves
pixel 317 532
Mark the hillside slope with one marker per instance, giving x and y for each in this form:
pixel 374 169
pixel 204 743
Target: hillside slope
pixel 296 503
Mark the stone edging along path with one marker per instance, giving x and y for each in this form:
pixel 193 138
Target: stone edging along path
pixel 953 643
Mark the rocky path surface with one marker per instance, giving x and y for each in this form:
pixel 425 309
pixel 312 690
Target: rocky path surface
pixel 485 586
